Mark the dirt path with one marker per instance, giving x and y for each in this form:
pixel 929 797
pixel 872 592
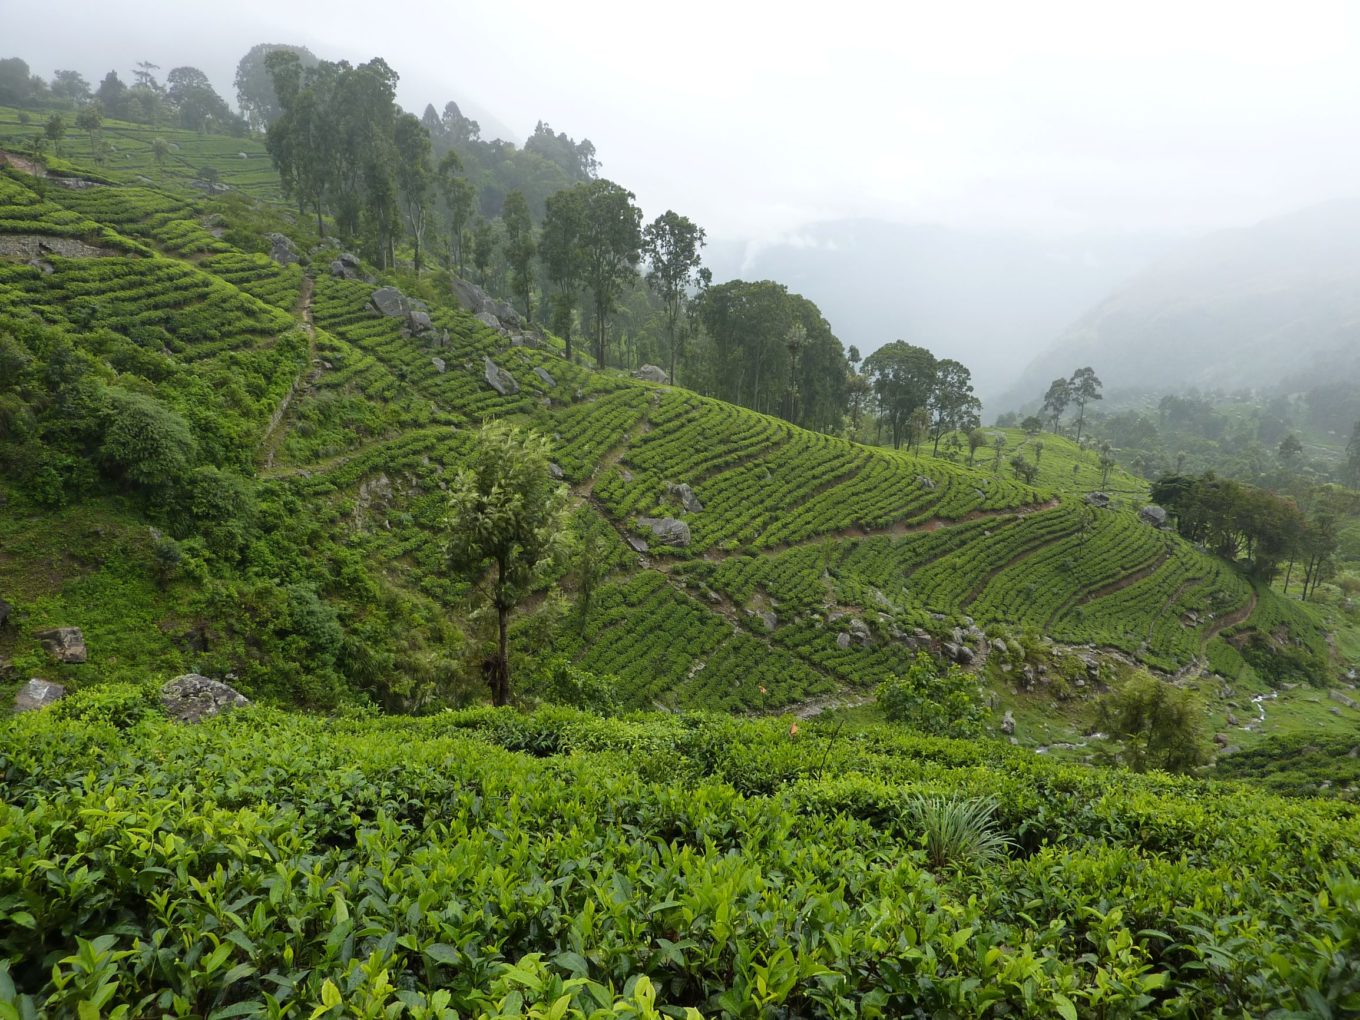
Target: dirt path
pixel 308 374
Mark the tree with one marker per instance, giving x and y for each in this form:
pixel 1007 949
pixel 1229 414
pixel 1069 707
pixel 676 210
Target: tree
pixel 902 376
pixel 952 404
pixel 520 248
pixel 1107 463
pixel 55 130
pixel 942 704
pixel 977 439
pixel 1024 469
pixel 1084 386
pixel 90 121
pixel 144 440
pixel 672 245
pixel 505 528
pixel 112 95
pixel 160 151
pixel 611 243
pixel 1290 450
pixel 560 247
pixel 1032 425
pixel 255 85
pixel 16 83
pixel 71 87
pixel 413 178
pixel 483 248
pixel 1161 726
pixel 1057 398
pixel 197 103
pixel 458 198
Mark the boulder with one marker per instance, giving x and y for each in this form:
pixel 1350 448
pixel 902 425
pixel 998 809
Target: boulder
pixel 418 321
pixel 37 694
pixel 487 319
pixel 651 373
pixel 544 376
pixel 192 698
pixel 859 630
pixel 842 640
pixel 666 530
pixel 1342 699
pixel 388 301
pixel 1008 723
pixel 1154 515
pixel 282 249
pixel 684 495
pixel 638 544
pixel 439 365
pixel 1099 499
pixel 346 267
pixel 67 644
pixel 625 474
pixel 770 619
pixel 556 471
pixel 926 482
pixel 498 378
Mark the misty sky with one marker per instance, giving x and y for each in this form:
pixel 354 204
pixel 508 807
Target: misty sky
pixel 759 118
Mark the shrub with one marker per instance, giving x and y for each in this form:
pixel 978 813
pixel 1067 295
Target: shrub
pixel 563 684
pixel 958 831
pixel 1161 726
pixel 144 440
pixel 943 704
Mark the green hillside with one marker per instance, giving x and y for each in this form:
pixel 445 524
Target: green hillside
pixel 291 538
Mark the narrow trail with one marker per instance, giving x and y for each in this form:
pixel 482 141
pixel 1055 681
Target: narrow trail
pixel 1232 619
pixel 307 374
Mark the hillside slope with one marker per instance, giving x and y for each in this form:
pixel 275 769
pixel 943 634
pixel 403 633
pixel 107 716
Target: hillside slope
pixel 1239 308
pixel 294 542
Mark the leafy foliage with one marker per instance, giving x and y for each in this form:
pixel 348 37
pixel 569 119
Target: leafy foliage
pixel 939 703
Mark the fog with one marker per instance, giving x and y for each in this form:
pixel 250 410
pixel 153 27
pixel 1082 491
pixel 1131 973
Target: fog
pixel 762 120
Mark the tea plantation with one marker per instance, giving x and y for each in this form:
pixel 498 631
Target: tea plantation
pixel 213 462
pixel 491 863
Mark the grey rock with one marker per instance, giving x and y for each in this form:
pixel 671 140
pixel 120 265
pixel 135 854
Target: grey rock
pixel 1342 699
pixel 341 269
pixel 418 321
pixel 625 474
pixel 926 482
pixel 667 530
pixel 389 301
pixel 1221 739
pixel 38 694
pixel 498 378
pixel 770 619
pixel 487 319
pixel 556 471
pixel 439 365
pixel 1098 499
pixel 281 249
pixel 999 646
pixel 638 544
pixel 67 644
pixel 1232 719
pixel 498 314
pixel 349 260
pixel 651 373
pixel 1154 515
pixel 842 640
pixel 1008 723
pixel 192 698
pixel 859 630
pixel 544 376
pixel 683 494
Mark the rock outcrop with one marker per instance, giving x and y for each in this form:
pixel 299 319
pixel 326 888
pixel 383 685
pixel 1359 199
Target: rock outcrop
pixel 192 698
pixel 498 378
pixel 66 644
pixel 667 530
pixel 38 694
pixel 651 373
pixel 685 496
pixel 282 249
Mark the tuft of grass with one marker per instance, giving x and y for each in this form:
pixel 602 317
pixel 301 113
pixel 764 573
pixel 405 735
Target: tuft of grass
pixel 959 831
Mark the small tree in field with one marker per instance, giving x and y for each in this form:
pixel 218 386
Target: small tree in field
pixel 940 703
pixel 505 527
pixel 1161 725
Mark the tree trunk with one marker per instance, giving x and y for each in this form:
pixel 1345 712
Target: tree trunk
pixel 500 672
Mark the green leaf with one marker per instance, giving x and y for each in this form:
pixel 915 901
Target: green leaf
pixel 441 952
pixel 1064 1006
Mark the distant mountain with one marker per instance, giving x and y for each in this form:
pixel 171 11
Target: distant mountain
pixel 989 299
pixel 1258 307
